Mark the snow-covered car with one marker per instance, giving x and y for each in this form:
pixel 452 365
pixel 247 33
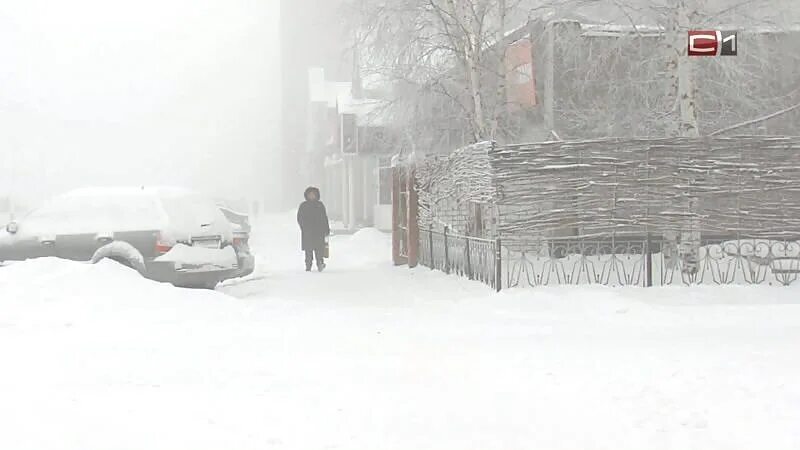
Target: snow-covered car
pixel 170 235
pixel 240 224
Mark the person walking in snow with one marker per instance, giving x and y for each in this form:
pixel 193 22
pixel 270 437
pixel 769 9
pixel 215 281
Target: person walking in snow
pixel 314 228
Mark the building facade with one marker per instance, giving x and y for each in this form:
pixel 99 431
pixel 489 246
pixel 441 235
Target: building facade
pixel 312 35
pixel 331 135
pixel 351 149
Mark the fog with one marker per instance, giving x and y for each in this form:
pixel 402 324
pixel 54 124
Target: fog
pixel 106 92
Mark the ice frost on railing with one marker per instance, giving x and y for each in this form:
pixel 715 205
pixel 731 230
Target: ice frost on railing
pixel 646 263
pixel 528 263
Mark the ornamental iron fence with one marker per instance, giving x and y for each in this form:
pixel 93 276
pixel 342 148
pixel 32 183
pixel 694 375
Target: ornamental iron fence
pixel 639 262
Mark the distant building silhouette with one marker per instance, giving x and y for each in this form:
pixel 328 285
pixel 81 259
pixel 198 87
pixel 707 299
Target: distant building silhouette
pixel 312 35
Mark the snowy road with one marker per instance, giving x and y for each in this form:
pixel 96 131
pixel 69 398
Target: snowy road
pixel 368 356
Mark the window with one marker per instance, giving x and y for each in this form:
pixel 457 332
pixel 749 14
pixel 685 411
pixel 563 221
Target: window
pixel 522 74
pixel 349 134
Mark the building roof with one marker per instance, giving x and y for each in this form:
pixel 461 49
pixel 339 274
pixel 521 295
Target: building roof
pixel 321 90
pixel 339 95
pixel 368 112
pixel 780 13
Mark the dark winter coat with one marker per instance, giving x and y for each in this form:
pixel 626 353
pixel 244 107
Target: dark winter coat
pixel 313 221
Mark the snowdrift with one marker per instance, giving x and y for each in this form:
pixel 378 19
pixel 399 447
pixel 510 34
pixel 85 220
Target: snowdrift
pixel 59 280
pixel 369 356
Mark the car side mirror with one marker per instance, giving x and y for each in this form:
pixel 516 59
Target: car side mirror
pixel 12 227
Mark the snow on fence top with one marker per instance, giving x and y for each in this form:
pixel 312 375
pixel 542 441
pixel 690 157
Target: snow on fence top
pixel 747 187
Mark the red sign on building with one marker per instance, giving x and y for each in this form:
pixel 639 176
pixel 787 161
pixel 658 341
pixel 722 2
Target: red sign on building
pixel 520 81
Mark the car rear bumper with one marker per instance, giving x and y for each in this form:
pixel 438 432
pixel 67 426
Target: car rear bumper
pixel 190 277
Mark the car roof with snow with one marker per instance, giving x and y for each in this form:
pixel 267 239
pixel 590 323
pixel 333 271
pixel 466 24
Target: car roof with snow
pixel 128 191
pixel 94 209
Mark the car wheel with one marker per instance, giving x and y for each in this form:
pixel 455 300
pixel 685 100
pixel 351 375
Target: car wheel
pixel 122 261
pixel 123 253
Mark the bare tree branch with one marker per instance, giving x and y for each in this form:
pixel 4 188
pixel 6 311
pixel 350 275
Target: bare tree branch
pixel 757 120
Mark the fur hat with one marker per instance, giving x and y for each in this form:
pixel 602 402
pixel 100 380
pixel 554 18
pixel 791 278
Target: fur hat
pixel 309 190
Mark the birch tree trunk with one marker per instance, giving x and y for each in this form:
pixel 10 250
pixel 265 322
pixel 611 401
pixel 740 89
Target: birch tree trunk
pixel 684 123
pixel 473 62
pixel 686 86
pixel 467 15
pixel 502 70
pixel 680 70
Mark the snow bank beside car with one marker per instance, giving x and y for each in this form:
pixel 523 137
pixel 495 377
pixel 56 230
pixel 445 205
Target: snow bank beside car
pixel 54 280
pixel 38 274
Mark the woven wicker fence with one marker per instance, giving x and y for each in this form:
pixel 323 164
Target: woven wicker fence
pixel 738 187
pixel 628 211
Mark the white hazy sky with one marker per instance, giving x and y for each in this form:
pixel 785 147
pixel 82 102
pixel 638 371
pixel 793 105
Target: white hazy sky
pixel 99 92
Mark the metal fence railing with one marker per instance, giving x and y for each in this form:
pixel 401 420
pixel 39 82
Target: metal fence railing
pixel 653 263
pixel 471 257
pixel 630 262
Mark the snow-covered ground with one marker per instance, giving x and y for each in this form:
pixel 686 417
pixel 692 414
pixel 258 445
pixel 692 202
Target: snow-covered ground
pixel 369 356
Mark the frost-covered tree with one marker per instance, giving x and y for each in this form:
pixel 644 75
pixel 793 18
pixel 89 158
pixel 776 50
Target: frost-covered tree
pixel 445 68
pixel 756 92
pixel 642 82
pixel 444 61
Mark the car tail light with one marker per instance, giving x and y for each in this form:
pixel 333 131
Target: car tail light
pixel 162 245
